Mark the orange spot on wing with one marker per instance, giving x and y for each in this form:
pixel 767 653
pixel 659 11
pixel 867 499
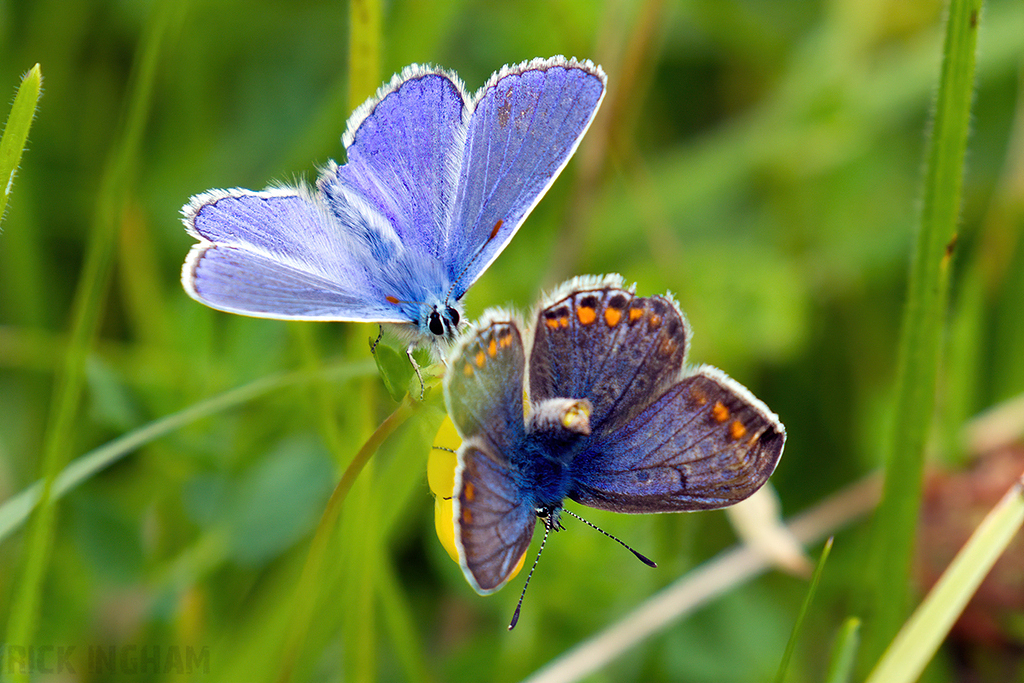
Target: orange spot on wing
pixel 391 299
pixel 635 314
pixel 655 320
pixel 469 491
pixel 480 359
pixel 698 396
pixel 720 412
pixel 736 430
pixel 552 323
pixel 564 320
pixel 467 516
pixel 505 341
pixel 492 348
pixel 612 316
pixel 467 370
pixel 586 315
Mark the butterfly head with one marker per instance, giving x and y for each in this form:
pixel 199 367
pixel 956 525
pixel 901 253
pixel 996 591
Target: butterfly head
pixel 439 322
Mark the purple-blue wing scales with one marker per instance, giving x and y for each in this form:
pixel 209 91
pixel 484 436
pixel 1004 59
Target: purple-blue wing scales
pixel 404 148
pixel 526 123
pixel 278 254
pixel 706 443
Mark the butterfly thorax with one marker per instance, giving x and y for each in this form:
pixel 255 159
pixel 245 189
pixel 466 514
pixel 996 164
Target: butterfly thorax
pixel 554 430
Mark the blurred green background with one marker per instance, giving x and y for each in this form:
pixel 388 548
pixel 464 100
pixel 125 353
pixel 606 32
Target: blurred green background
pixel 761 160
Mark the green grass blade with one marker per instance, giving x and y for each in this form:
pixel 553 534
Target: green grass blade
pixel 15 510
pixel 364 47
pixel 304 606
pixel 895 523
pixel 401 623
pixel 844 652
pixel 921 636
pixel 359 635
pixel 12 144
pixel 812 589
pixel 85 319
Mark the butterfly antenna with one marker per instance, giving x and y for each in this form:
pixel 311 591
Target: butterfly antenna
pixel 648 562
pixel 494 233
pixel 547 532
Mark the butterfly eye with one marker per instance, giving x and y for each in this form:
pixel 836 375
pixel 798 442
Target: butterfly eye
pixel 453 315
pixel 435 324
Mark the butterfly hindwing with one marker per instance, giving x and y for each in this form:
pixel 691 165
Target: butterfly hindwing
pixel 493 522
pixel 706 443
pixel 526 123
pixel 251 260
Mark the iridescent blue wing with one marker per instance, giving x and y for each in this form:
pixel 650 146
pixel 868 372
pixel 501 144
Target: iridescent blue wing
pixel 278 254
pixel 404 148
pixel 494 520
pixel 526 123
pixel 599 341
pixel 705 443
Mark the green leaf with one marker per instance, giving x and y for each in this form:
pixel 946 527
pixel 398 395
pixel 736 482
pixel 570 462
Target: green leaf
pixel 395 370
pixel 279 500
pixel 923 323
pixel 12 144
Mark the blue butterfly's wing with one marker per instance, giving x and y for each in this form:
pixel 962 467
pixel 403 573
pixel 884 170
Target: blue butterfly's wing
pixel 494 518
pixel 404 147
pixel 277 254
pixel 526 123
pixel 367 244
pixel 493 523
pixel 599 341
pixel 706 443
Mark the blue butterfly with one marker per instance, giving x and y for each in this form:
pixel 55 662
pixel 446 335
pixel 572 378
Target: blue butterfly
pixel 615 421
pixel 437 183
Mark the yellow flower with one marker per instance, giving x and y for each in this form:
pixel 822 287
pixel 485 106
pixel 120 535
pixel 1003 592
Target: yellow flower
pixel 441 478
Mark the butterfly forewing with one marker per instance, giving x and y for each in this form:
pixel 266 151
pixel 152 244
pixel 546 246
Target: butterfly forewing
pixel 404 148
pixel 706 443
pixel 604 344
pixel 525 126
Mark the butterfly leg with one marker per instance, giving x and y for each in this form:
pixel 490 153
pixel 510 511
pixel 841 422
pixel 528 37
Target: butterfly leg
pixel 373 344
pixel 415 367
